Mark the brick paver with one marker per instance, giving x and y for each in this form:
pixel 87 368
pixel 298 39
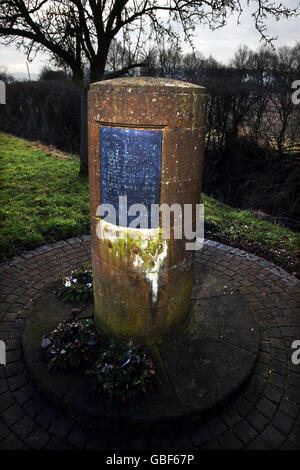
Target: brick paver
pixel 264 415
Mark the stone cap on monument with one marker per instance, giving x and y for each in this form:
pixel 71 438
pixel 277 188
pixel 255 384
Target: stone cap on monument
pixel 155 84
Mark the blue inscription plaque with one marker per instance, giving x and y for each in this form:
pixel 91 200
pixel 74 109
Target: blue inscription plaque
pixel 130 165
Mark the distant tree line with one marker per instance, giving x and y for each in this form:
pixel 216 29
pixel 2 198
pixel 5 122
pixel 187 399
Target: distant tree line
pixel 253 128
pixel 249 96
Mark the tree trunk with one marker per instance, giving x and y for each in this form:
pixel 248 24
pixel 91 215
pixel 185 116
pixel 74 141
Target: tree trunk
pixel 84 162
pixel 97 74
pixel 97 70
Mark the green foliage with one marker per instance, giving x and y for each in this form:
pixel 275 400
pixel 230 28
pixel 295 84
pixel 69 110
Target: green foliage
pixel 116 369
pixel 70 344
pixel 123 370
pixel 76 287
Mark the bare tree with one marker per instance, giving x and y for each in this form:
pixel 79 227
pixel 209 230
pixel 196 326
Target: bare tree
pixel 163 61
pixel 79 33
pixel 286 69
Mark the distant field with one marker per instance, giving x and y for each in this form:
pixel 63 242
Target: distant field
pixel 43 199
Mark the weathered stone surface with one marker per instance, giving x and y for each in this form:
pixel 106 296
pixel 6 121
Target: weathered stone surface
pixel 203 365
pixel 146 141
pixel 219 317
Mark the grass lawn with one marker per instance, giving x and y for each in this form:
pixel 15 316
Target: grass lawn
pixel 43 199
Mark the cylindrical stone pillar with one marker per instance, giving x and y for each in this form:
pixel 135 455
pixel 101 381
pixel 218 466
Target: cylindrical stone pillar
pixel 146 139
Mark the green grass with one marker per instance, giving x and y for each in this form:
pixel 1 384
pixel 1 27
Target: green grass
pixel 43 199
pixel 241 229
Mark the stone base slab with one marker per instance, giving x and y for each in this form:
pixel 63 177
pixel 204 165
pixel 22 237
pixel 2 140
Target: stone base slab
pixel 199 367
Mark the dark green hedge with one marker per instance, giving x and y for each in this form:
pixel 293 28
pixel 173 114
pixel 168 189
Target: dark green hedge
pixel 48 111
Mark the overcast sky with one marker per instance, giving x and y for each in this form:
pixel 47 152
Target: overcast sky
pixel 221 44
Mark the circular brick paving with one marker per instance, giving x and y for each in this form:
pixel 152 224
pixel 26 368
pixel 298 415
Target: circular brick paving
pixel 264 415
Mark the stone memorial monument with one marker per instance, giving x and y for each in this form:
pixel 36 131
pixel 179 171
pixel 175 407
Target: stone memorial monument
pixel 146 139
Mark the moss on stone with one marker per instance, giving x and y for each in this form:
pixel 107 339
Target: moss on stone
pixel 126 246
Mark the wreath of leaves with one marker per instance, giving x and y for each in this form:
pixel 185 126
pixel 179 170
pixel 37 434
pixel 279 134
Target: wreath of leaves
pixel 123 370
pixel 116 369
pixel 70 344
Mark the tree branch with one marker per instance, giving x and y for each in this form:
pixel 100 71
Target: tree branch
pixel 121 72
